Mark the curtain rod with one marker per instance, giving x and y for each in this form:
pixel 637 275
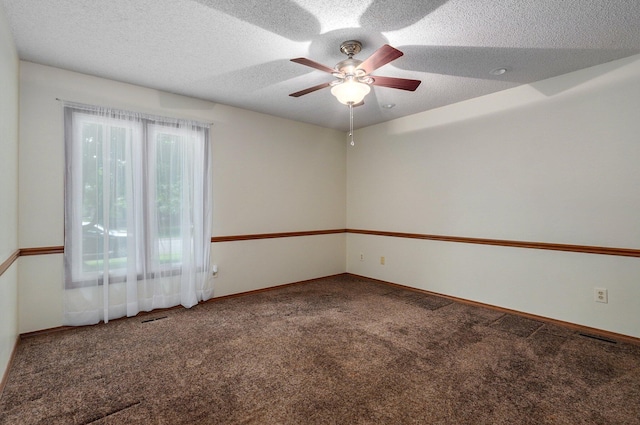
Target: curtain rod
pixel 80 104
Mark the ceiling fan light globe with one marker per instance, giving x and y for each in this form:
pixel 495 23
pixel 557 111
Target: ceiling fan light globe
pixel 350 92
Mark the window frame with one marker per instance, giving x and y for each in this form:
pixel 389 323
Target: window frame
pixel 143 128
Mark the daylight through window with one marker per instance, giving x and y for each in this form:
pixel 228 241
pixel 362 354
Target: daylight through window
pixel 137 214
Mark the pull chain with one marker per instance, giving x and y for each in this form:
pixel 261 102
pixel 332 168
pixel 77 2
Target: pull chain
pixel 351 123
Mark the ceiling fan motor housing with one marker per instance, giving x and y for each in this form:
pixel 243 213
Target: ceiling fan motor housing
pixel 348 66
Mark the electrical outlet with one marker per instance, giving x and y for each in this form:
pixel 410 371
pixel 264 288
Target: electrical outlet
pixel 600 295
pixel 361 256
pixel 382 260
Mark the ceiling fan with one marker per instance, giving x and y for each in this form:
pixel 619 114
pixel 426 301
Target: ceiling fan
pixel 353 76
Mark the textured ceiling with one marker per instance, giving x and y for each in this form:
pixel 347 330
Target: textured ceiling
pixel 237 52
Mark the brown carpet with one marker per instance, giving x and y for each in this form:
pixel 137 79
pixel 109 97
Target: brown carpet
pixel 340 350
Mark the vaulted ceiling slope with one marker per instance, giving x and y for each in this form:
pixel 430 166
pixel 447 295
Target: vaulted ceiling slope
pixel 237 52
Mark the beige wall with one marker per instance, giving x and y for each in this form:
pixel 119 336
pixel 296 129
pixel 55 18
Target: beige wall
pixel 8 191
pixel 269 175
pixel 555 161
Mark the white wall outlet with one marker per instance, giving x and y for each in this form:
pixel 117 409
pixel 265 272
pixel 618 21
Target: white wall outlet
pixel 361 256
pixel 600 295
pixel 382 260
pixel 214 270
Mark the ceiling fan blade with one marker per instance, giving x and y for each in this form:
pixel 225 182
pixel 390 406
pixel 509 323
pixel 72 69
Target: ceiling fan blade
pixel 396 83
pixel 313 64
pixel 382 56
pixel 309 90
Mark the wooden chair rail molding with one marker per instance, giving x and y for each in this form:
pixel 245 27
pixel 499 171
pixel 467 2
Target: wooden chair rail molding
pixel 233 238
pixel 625 252
pixel 29 251
pixel 602 250
pixel 42 250
pixel 9 261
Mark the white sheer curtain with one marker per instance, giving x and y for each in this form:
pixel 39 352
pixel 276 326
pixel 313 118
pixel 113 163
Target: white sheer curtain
pixel 137 213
